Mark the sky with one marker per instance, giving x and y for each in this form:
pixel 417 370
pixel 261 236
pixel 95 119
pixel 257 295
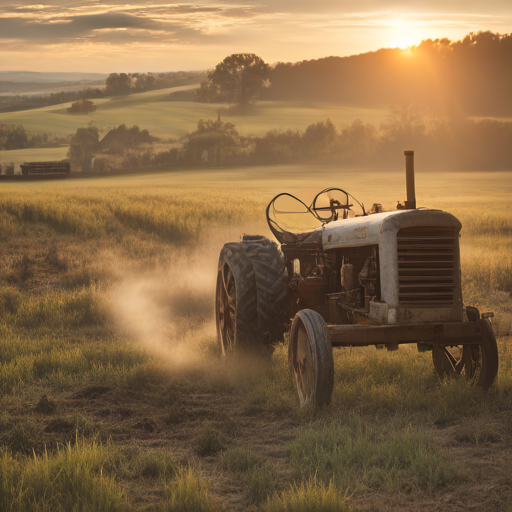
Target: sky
pixel 154 35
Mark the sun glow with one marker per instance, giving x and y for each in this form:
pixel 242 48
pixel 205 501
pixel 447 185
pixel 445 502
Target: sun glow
pixel 404 34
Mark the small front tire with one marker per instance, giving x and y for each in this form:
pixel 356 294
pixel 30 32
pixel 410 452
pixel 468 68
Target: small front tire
pixel 311 359
pixel 477 363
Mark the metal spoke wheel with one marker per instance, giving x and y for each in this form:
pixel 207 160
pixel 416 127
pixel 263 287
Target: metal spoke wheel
pixel 477 363
pixel 310 358
pixel 225 309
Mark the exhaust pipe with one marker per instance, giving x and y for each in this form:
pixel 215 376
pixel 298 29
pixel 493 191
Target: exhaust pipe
pixel 410 203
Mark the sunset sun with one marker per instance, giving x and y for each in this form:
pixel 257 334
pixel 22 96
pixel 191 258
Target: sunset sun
pixel 404 34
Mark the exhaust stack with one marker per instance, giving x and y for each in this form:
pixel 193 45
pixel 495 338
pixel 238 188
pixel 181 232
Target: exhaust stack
pixel 410 203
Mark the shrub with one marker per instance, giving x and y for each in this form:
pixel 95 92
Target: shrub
pixel 239 460
pixel 188 493
pixel 210 443
pixel 310 496
pixel 10 300
pixel 81 107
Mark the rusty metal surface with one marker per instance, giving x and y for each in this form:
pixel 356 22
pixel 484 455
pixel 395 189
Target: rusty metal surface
pixel 382 229
pixel 410 203
pixel 448 333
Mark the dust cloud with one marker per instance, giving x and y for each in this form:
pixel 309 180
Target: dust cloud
pixel 169 310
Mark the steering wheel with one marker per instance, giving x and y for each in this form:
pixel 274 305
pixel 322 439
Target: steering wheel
pixel 334 206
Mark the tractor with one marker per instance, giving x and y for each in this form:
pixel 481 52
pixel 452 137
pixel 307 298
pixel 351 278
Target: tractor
pixel 360 278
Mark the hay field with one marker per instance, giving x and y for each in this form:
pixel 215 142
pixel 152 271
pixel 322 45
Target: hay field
pixel 163 118
pixel 113 395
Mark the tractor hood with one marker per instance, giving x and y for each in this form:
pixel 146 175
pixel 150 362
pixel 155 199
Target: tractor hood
pixel 372 229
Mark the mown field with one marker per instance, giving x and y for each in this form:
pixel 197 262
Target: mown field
pixel 113 396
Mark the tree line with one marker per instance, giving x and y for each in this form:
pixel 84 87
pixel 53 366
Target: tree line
pixel 472 77
pixel 14 103
pixel 119 84
pixel 116 84
pixel 14 136
pixel 463 145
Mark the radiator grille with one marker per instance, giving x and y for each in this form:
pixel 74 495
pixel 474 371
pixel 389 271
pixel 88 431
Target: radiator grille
pixel 427 266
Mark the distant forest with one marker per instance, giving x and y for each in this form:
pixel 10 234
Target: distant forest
pixel 468 77
pixel 117 84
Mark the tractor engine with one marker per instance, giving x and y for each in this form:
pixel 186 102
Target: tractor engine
pixel 391 267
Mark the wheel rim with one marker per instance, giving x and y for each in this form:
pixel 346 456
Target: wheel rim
pixel 464 360
pixel 302 365
pixel 226 309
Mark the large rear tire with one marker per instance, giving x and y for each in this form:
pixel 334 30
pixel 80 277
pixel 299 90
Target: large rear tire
pixel 272 292
pixel 311 360
pixel 251 297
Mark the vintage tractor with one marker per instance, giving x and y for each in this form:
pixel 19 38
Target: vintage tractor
pixel 380 278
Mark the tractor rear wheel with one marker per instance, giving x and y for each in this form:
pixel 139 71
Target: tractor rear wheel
pixel 251 299
pixel 311 360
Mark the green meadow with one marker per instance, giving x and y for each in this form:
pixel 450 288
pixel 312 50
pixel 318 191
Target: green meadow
pixel 162 117
pixel 113 396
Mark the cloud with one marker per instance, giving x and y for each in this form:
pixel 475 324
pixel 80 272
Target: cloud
pixel 161 22
pixel 349 6
pixel 91 27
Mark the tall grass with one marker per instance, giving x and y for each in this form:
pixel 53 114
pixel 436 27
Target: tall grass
pixel 309 496
pixel 188 493
pixel 90 476
pixel 72 479
pixel 486 259
pixel 174 214
pixel 389 456
pixel 26 361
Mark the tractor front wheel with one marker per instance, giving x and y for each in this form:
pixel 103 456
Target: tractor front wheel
pixel 477 363
pixel 311 360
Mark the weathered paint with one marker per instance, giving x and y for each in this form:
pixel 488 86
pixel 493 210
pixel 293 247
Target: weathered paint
pixel 381 229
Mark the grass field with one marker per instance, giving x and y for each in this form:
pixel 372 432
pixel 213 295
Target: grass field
pixel 113 396
pixel 153 111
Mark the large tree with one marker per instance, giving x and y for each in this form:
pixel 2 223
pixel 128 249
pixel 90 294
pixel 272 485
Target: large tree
pixel 239 79
pixel 84 145
pixel 13 136
pixel 212 140
pixel 118 84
